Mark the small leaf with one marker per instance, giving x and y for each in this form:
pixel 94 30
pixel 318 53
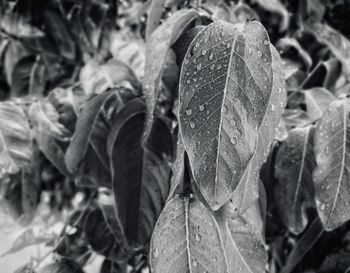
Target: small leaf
pixel 157 48
pixel 101 237
pixel 65 265
pixel 331 176
pixel 47 132
pixel 187 239
pixel 140 175
pixel 295 162
pixel 15 140
pixel 97 78
pixel 224 93
pixel 16 26
pixel 317 101
pixel 27 238
pixel 245 250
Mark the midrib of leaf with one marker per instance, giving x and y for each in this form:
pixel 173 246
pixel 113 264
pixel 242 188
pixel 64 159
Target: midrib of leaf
pixel 187 234
pixel 301 169
pixel 342 163
pixel 315 105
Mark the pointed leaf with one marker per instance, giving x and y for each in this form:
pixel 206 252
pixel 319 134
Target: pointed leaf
pixel 247 190
pixel 140 175
pixel 15 140
pixel 331 176
pixel 225 86
pixel 295 162
pixel 157 48
pixel 186 239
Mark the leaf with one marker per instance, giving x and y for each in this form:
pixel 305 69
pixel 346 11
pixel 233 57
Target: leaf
pixel 333 263
pixel 331 174
pixel 317 101
pixel 15 140
pixel 25 239
pixel 247 190
pixel 47 132
pixel 296 118
pixel 38 78
pixel 26 268
pixel 97 78
pixel 303 246
pixel 244 248
pixel 110 267
pixel 140 175
pixel 154 16
pixel 186 239
pixel 223 99
pixel 65 265
pixel 16 26
pixel 89 142
pixel 275 6
pixel 20 77
pixel 157 48
pixel 295 162
pixel 242 13
pixel 101 236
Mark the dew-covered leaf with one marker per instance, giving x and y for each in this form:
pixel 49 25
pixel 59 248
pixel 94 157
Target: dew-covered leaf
pixel 27 238
pixel 157 48
pixel 295 162
pixel 15 139
pixel 225 87
pixel 317 101
pixel 331 176
pixel 140 173
pixel 247 190
pixel 92 129
pixel 187 239
pixel 244 247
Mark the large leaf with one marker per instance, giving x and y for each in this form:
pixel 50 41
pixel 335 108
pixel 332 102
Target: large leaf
pixel 140 175
pixel 15 140
pixel 244 247
pixel 295 162
pixel 92 129
pixel 247 191
pixel 331 176
pixel 187 239
pixel 157 48
pixel 225 86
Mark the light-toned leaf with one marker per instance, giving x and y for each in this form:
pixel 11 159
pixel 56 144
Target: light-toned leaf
pixel 28 238
pixel 317 101
pixel 15 139
pixel 295 162
pixel 157 48
pixel 225 86
pixel 154 16
pixel 296 118
pixel 244 248
pixel 140 174
pixel 16 26
pixel 47 131
pixel 331 176
pixel 247 190
pixel 187 239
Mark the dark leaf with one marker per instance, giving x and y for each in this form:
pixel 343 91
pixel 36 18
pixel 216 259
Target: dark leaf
pixel 111 267
pixel 21 76
pixel 141 175
pixel 63 266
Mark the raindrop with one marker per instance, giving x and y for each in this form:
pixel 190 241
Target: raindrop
pixel 250 51
pixel 188 81
pixel 198 237
pixel 204 52
pixel 212 67
pixel 195 79
pixel 195 263
pixel 192 125
pixel 211 56
pixel 201 107
pixel 272 107
pixel 188 112
pixel 218 67
pixel 323 206
pixel 259 54
pixel 233 140
pixel 228 45
pixel 266 42
pixel 234 172
pixel 233 122
pixel 224 109
pixel 155 253
pixel 199 66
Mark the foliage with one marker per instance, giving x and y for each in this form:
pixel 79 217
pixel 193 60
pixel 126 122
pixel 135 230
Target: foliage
pixel 177 136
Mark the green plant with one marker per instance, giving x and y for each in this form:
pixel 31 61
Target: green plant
pixel 175 141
